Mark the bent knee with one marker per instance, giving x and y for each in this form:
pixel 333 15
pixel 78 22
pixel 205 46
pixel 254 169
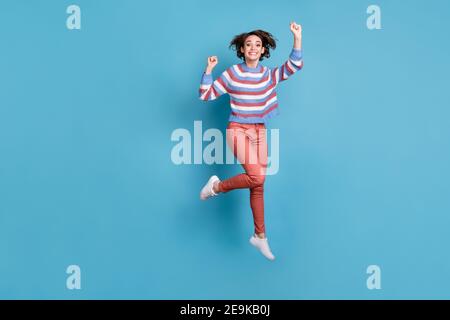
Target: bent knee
pixel 257 180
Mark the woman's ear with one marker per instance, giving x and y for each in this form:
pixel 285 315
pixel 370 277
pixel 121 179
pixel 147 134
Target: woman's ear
pixel 242 50
pixel 263 50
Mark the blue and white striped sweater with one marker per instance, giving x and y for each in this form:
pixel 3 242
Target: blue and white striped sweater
pixel 253 98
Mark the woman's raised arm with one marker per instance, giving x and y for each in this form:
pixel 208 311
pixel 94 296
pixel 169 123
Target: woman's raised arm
pixel 209 89
pixel 295 61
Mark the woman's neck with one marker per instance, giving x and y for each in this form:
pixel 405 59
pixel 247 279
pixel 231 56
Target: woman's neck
pixel 252 64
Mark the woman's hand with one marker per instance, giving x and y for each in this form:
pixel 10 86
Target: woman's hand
pixel 212 62
pixel 296 30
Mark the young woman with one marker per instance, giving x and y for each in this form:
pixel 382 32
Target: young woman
pixel 253 101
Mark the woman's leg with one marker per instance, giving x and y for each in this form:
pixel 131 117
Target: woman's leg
pixel 249 145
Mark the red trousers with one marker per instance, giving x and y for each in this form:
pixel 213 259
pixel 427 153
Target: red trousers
pixel 249 145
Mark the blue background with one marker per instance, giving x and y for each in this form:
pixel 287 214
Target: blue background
pixel 86 176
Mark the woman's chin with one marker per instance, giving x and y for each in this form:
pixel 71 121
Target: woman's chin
pixel 252 59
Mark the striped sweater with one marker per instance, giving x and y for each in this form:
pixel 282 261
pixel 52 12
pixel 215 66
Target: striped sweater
pixel 253 97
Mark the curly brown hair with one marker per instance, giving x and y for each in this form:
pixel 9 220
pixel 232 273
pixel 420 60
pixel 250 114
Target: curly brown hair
pixel 268 42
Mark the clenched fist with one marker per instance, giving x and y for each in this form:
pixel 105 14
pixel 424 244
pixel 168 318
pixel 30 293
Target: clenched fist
pixel 296 29
pixel 212 62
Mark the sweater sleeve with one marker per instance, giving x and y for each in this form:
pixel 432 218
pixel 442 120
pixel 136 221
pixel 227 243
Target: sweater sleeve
pixel 292 65
pixel 211 90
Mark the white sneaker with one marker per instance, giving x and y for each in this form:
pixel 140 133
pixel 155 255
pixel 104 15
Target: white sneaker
pixel 207 190
pixel 263 246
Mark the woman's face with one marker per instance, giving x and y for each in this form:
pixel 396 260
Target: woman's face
pixel 252 48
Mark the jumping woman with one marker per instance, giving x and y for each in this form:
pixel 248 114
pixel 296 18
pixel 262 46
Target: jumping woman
pixel 253 99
